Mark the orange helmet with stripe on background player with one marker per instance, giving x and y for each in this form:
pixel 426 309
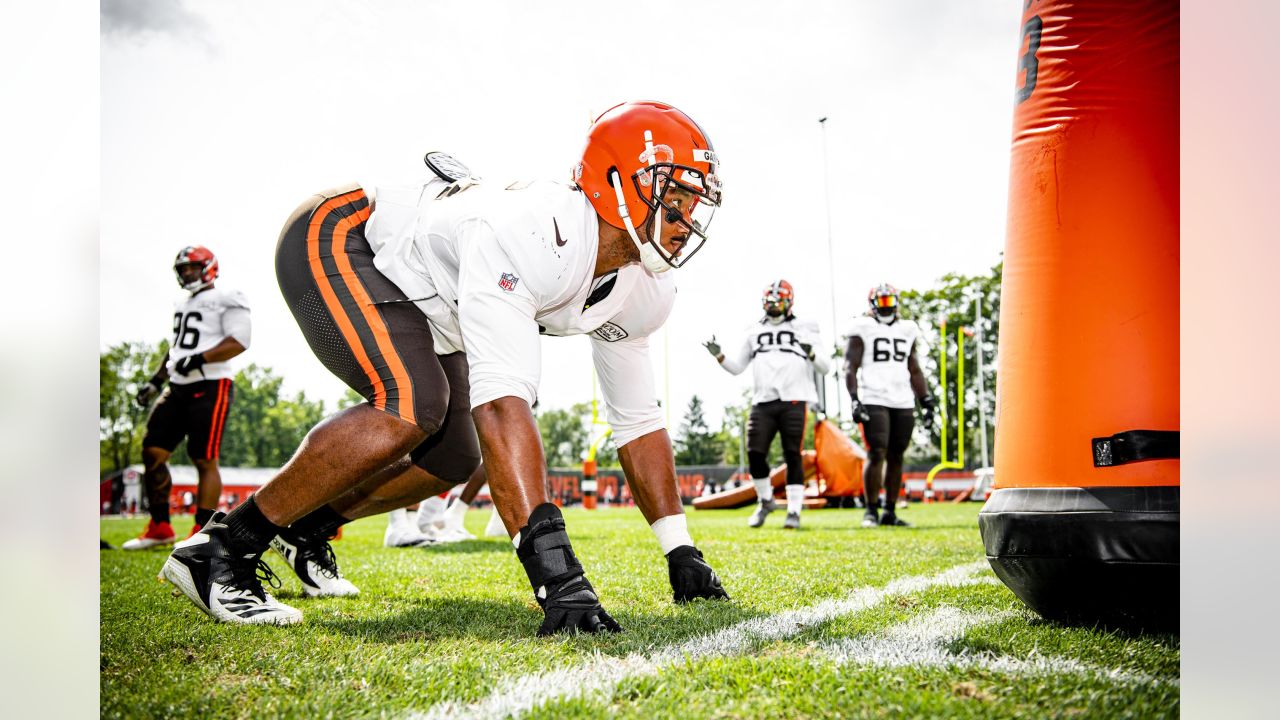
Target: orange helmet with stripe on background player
pixel 200 265
pixel 646 162
pixel 883 300
pixel 778 298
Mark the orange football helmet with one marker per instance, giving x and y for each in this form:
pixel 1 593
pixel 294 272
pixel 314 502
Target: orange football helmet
pixel 637 153
pixel 202 257
pixel 778 298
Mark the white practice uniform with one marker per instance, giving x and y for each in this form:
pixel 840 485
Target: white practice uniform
pixel 200 322
pixel 780 368
pixel 493 268
pixel 884 378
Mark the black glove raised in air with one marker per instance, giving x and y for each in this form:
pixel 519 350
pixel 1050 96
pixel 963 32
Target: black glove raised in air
pixel 712 347
pixel 692 577
pixel 559 584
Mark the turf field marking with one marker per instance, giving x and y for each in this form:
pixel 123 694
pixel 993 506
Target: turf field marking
pixel 922 642
pixel 600 675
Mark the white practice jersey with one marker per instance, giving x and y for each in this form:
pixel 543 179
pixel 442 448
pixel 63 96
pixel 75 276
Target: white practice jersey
pixel 780 369
pixel 200 322
pixel 493 268
pixel 884 378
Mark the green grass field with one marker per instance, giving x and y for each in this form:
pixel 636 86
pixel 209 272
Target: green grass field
pixel 831 621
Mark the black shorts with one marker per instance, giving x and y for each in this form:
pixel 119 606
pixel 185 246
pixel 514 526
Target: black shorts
pixel 367 333
pixel 889 428
pixel 196 411
pixel 776 416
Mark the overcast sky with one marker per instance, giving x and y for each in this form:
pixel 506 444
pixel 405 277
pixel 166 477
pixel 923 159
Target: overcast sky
pixel 220 117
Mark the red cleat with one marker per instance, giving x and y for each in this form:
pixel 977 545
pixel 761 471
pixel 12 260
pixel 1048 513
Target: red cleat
pixel 154 534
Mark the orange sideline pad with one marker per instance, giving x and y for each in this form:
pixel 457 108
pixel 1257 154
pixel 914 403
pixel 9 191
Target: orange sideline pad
pixel 836 463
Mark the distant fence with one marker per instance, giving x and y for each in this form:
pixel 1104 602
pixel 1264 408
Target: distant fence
pixel 123 492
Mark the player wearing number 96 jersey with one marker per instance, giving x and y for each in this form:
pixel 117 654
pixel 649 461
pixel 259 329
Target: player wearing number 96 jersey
pixel 884 381
pixel 210 326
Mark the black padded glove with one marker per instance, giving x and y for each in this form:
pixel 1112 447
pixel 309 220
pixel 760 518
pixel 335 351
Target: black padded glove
pixel 190 364
pixel 691 576
pixel 559 584
pixel 926 409
pixel 860 412
pixel 712 347
pixel 146 394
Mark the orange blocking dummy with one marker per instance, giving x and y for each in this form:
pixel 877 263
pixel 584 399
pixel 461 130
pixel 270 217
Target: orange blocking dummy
pixel 840 461
pixel 1083 524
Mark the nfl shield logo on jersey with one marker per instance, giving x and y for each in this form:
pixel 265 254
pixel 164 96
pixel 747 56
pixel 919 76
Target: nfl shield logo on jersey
pixel 508 282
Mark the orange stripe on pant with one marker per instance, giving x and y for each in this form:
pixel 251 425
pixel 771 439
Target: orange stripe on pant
pixel 218 405
pixel 225 388
pixel 371 316
pixel 331 298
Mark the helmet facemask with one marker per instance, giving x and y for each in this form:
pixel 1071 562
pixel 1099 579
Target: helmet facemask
pixel 203 260
pixel 675 193
pixel 777 301
pixel 777 306
pixel 884 306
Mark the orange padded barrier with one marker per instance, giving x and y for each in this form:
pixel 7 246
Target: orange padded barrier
pixel 1089 313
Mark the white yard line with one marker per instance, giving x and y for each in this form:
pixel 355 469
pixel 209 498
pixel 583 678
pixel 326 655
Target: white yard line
pixel 922 642
pixel 601 674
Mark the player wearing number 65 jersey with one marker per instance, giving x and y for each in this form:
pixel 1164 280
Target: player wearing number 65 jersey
pixel 882 350
pixel 210 326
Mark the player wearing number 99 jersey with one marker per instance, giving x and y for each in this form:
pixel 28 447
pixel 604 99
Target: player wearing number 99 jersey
pixel 884 381
pixel 781 348
pixel 210 326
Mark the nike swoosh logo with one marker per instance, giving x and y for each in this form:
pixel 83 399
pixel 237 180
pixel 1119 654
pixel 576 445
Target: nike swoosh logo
pixel 559 241
pixel 198 395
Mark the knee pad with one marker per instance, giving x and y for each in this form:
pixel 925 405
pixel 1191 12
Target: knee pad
pixel 429 416
pixel 759 463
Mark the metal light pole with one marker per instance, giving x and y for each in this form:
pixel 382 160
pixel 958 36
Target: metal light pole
pixel 831 269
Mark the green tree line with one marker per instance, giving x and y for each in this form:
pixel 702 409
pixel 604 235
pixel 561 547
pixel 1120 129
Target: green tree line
pixel 953 301
pixel 264 426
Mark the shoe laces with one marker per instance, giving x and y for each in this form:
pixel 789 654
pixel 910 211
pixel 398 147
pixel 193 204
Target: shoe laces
pixel 320 553
pixel 248 575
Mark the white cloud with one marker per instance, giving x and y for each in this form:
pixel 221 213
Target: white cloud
pixel 142 19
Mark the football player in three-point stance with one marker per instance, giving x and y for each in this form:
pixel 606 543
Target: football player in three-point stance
pixel 210 327
pixel 429 300
pixel 882 350
pixel 781 350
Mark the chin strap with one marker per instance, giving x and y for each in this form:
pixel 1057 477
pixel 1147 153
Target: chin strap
pixel 652 259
